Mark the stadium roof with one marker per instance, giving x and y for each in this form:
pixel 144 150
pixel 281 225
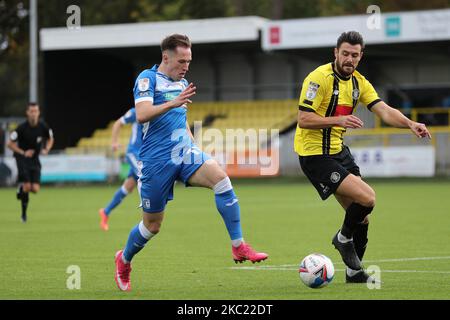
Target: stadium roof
pixel 377 28
pixel 215 30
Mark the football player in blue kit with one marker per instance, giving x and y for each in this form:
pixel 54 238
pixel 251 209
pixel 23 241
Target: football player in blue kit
pixel 168 153
pixel 131 155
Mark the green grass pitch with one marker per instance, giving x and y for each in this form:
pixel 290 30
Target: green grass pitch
pixel 191 257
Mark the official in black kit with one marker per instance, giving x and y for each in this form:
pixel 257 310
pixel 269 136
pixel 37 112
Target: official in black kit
pixel 30 139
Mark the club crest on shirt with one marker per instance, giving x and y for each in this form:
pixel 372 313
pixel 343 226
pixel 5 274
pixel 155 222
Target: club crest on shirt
pixel 146 203
pixel 355 94
pixel 335 177
pixel 143 84
pixel 312 90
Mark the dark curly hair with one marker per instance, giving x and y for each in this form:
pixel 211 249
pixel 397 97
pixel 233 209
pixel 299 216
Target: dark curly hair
pixel 352 37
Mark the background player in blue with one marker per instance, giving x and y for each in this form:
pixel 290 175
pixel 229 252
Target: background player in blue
pixel 169 153
pixel 131 156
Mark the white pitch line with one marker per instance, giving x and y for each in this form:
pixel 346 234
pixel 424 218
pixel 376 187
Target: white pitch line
pixel 365 261
pixel 294 267
pixel 338 270
pixel 413 271
pixel 408 259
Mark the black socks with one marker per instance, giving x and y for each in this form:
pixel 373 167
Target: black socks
pixel 24 198
pixel 354 215
pixel 360 239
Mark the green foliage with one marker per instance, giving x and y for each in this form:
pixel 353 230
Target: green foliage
pixel 260 8
pixel 158 10
pixel 201 9
pixel 52 13
pixel 13 57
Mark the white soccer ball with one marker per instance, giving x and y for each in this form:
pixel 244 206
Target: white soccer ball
pixel 316 270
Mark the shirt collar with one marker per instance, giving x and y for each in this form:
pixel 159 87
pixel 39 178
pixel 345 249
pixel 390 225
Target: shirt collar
pixel 165 76
pixel 338 75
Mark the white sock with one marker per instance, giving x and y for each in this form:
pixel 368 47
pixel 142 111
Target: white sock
pixel 124 190
pixel 144 231
pixel 237 242
pixel 343 239
pixel 223 186
pixel 351 272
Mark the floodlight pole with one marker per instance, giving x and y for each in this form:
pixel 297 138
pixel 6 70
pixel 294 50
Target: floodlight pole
pixel 33 52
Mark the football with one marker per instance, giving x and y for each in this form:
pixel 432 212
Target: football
pixel 316 270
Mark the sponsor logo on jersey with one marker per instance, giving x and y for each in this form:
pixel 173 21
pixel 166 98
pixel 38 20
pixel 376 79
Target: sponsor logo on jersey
pixel 170 95
pixel 342 110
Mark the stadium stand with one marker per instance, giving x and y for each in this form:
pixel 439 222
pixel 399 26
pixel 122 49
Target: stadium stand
pixel 266 114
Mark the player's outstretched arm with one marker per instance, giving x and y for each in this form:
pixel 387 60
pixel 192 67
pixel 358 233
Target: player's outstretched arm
pixel 145 110
pixel 115 134
pixel 311 120
pixel 395 118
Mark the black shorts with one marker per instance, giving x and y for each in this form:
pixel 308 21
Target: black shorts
pixel 29 169
pixel 326 172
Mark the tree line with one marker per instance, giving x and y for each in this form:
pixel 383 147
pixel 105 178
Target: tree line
pixel 14 24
